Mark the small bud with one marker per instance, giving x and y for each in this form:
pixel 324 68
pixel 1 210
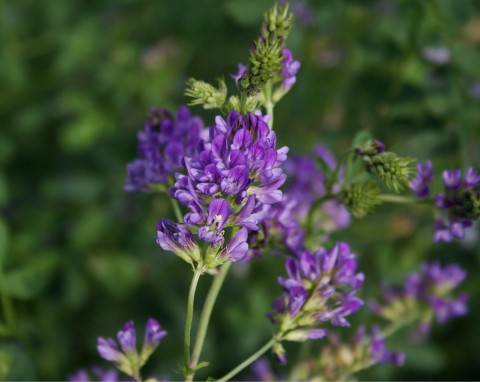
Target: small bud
pixel 153 335
pixel 302 335
pixel 177 239
pixel 206 94
pixel 277 23
pixel 361 198
pixel 108 350
pixel 279 353
pixel 372 147
pixel 395 171
pixel 127 337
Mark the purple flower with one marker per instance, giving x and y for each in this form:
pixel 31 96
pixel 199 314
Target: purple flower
pixel 237 247
pixel 153 333
pixel 127 337
pixel 242 69
pixel 128 360
pixel 108 350
pixel 218 214
pixel 452 179
pixel 437 55
pixel 379 351
pixel 162 144
pixel 431 290
pixel 178 239
pixel 289 70
pixel 321 287
pixel 422 182
pixel 459 203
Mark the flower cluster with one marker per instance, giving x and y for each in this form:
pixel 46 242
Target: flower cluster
pixel 162 144
pixel 340 359
pixel 460 200
pixel 308 184
pixel 231 183
pixel 425 295
pixel 126 356
pixel 321 287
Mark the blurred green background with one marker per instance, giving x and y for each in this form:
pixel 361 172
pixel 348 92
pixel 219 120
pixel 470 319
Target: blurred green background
pixel 78 256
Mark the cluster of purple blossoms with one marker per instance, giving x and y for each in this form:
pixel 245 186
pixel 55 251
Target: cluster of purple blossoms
pixel 428 292
pixel 308 184
pixel 162 144
pixel 321 287
pixel 364 350
pixel 230 183
pixel 460 200
pixel 126 356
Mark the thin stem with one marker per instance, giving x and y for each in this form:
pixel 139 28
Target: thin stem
pixel 188 324
pixel 205 316
pixel 269 102
pixel 313 209
pixel 247 362
pixel 176 210
pixel 391 198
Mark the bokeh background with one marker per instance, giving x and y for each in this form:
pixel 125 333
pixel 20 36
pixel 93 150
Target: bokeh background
pixel 78 256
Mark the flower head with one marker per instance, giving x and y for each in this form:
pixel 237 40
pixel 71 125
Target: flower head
pixel 128 359
pixel 162 144
pixel 321 287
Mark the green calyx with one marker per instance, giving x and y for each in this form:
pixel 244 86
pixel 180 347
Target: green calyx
pixel 205 94
pixel 277 23
pixel 395 171
pixel 361 198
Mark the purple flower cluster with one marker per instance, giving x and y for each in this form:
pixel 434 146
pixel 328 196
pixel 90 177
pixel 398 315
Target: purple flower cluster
pixel 162 144
pixel 433 285
pixel 321 287
pixel 126 357
pixel 306 185
pixel 428 292
pixel 230 183
pixel 364 350
pixel 460 200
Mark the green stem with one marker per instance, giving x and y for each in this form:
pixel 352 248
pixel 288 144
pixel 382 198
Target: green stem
pixel 269 102
pixel 188 324
pixel 205 317
pixel 176 210
pixel 391 198
pixel 313 209
pixel 247 362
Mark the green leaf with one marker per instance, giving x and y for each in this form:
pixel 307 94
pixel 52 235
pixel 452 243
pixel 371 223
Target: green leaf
pixel 27 282
pixel 15 363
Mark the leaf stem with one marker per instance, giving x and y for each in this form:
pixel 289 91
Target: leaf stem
pixel 176 210
pixel 391 198
pixel 247 362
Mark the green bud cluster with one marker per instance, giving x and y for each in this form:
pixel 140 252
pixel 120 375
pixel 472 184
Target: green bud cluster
pixel 205 94
pixel 395 171
pixel 277 23
pixel 361 198
pixel 265 60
